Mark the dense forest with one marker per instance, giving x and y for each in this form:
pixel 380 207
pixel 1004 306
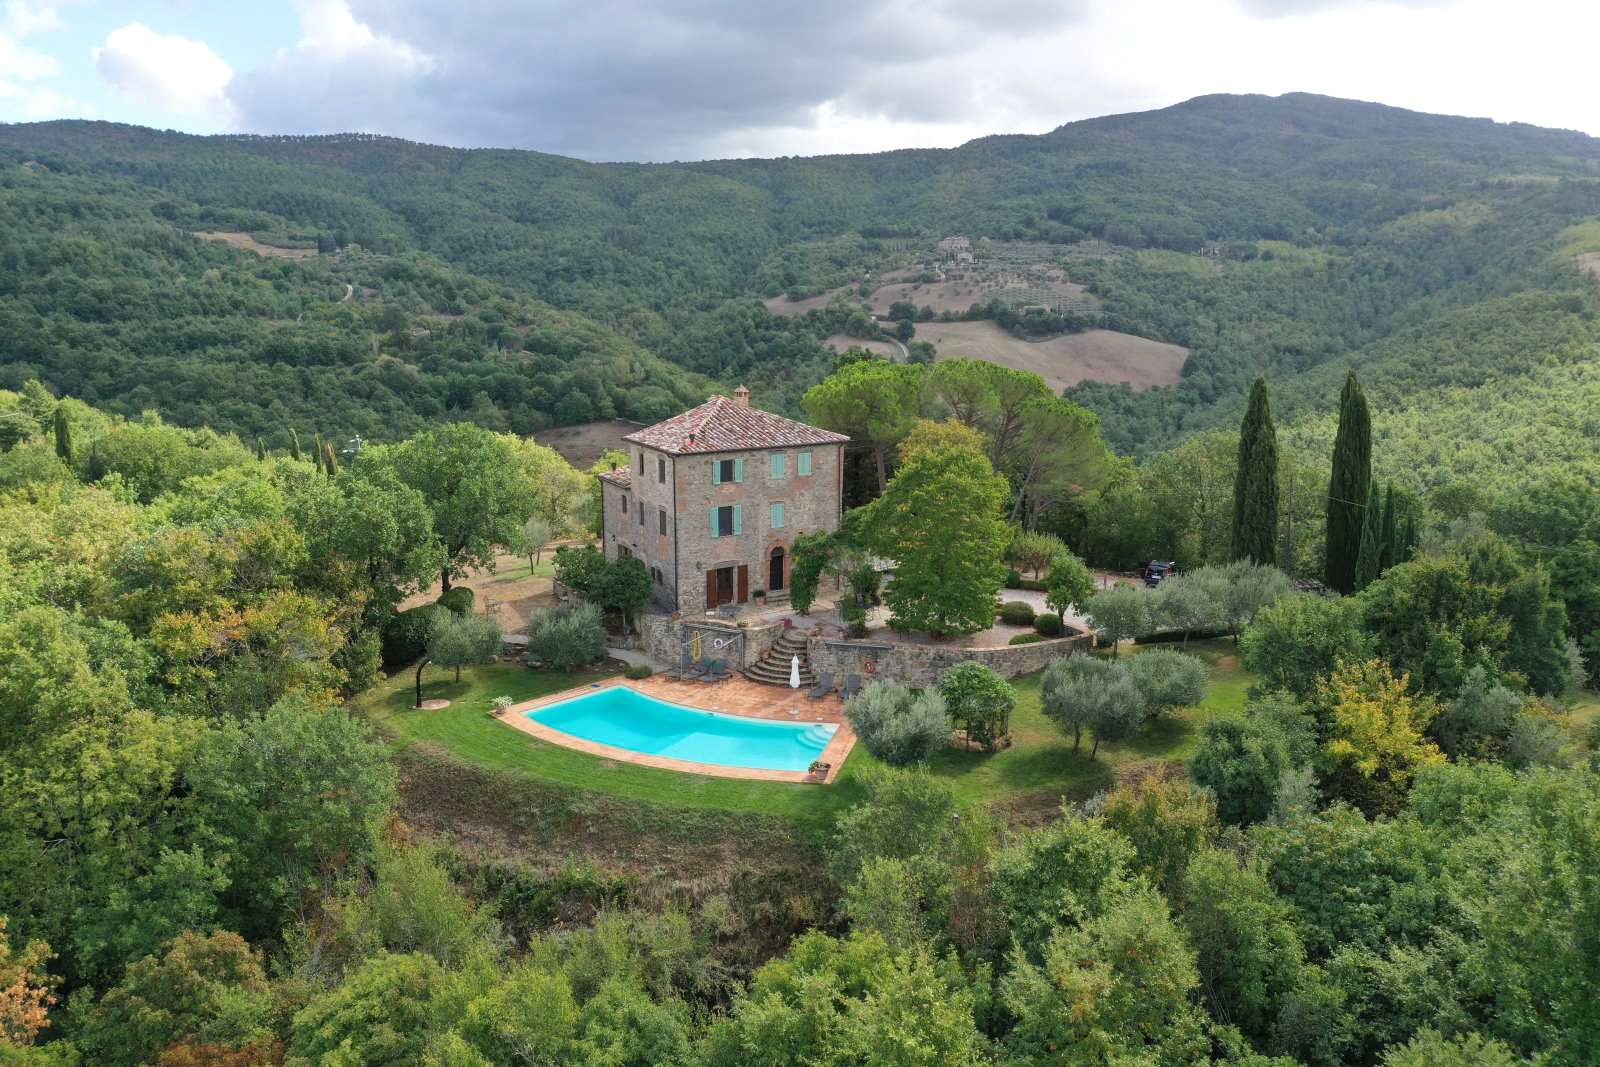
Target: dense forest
pixel 1291 237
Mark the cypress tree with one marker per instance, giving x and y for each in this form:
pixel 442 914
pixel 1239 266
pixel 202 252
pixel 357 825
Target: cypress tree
pixel 63 436
pixel 1370 558
pixel 97 469
pixel 261 449
pixel 1349 486
pixel 294 444
pixel 330 463
pixel 1389 533
pixel 1255 482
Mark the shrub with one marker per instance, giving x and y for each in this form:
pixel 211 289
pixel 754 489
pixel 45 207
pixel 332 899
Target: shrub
pixel 1049 625
pixel 1168 679
pixel 565 639
pixel 897 725
pixel 638 671
pixel 579 569
pixel 1025 639
pixel 405 636
pixel 1013 578
pixel 459 599
pixel 854 614
pixel 980 701
pixel 1017 613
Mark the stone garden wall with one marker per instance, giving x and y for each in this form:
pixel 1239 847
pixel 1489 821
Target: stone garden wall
pixel 922 665
pixel 664 639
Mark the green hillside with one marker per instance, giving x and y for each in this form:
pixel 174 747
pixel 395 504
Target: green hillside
pixel 1290 236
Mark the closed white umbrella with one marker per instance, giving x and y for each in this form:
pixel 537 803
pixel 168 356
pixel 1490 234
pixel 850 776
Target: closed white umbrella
pixel 794 672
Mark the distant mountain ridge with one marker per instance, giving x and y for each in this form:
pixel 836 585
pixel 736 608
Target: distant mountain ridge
pixel 1287 236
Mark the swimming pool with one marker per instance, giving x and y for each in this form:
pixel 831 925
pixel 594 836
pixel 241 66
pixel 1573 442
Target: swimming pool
pixel 623 718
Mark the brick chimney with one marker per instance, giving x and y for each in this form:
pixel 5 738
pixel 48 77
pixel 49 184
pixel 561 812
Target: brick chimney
pixel 741 396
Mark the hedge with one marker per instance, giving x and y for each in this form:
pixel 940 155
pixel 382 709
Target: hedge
pixel 459 600
pixel 1048 625
pixel 1017 613
pixel 404 637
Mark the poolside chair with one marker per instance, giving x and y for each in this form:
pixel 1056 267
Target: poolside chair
pixel 852 686
pixel 681 671
pixel 823 687
pixel 716 671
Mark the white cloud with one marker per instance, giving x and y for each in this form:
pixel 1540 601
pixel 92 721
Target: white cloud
pixel 166 71
pixel 29 103
pixel 23 17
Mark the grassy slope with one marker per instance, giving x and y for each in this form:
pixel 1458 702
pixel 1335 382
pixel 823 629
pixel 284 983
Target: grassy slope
pixel 1036 771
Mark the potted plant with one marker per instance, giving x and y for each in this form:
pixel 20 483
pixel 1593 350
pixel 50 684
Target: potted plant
pixel 759 596
pixel 819 769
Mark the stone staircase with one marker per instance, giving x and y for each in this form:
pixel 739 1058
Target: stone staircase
pixel 773 668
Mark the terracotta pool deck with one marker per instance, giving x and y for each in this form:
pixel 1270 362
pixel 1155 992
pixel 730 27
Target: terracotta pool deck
pixel 734 696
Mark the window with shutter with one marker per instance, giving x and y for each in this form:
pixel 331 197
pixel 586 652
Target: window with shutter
pixel 777 516
pixel 804 464
pixel 779 462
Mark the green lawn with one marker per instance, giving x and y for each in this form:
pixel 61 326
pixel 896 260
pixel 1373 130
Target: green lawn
pixel 516 572
pixel 1038 768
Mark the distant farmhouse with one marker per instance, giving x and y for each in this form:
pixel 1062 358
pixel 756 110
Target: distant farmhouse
pixel 958 248
pixel 713 499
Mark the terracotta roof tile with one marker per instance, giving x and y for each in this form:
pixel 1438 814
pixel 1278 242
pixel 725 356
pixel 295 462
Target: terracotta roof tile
pixel 722 424
pixel 622 477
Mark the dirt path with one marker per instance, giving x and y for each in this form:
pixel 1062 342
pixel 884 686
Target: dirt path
pixel 509 591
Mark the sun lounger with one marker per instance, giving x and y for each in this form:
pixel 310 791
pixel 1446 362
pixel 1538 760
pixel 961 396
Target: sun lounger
pixel 715 671
pixel 852 686
pixel 823 687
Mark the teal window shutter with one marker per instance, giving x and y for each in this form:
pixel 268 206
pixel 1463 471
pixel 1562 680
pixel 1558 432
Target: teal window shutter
pixel 805 463
pixel 738 519
pixel 713 522
pixel 778 464
pixel 777 516
pixel 716 473
pixel 738 470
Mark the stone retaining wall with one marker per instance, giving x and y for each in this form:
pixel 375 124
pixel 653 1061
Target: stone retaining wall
pixel 664 640
pixel 919 665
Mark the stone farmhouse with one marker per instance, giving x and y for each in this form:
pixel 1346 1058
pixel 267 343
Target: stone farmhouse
pixel 712 500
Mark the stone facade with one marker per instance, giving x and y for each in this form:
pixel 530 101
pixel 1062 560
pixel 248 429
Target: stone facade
pixel 716 524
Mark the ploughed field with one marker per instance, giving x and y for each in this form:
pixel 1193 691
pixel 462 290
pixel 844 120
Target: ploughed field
pixel 1092 355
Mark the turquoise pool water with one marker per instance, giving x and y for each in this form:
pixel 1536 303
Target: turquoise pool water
pixel 620 717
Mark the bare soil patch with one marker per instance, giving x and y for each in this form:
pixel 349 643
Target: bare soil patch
pixel 433 705
pixel 582 445
pixel 1589 263
pixel 250 244
pixel 782 305
pixel 1093 355
pixel 509 591
pixel 839 342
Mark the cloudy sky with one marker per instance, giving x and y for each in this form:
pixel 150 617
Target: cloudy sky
pixel 694 79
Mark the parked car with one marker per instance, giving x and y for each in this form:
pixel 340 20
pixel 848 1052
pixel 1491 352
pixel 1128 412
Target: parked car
pixel 1157 570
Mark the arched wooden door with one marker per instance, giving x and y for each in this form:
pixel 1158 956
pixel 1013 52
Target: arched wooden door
pixel 775 570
